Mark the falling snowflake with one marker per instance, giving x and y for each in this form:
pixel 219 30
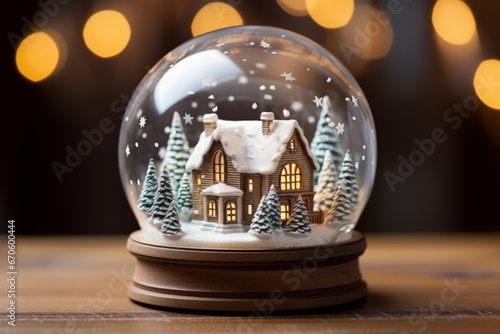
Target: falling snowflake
pixel 254 105
pixel 272 87
pixel 142 122
pixel 268 97
pixel 356 165
pixel 340 128
pixel 230 98
pixel 136 144
pixel 288 76
pixel 265 45
pixel 329 79
pixel 363 158
pixel 286 112
pixel 355 101
pixel 262 87
pixel 194 104
pixel 211 97
pixel 353 118
pixel 157 145
pixel 318 101
pixel 167 129
pixel 188 119
pixel 242 80
pixel 348 99
pixel 127 150
pixel 214 109
pixel 364 147
pixel 260 65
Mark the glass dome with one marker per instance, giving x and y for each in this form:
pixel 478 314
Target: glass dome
pixel 247 137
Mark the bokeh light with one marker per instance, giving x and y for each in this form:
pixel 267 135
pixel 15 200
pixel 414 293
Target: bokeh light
pixel 453 21
pixel 487 83
pixel 37 56
pixel 106 33
pixel 213 16
pixel 294 7
pixel 330 13
pixel 368 35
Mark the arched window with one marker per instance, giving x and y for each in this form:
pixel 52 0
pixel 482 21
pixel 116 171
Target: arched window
pixel 230 212
pixel 250 185
pixel 212 208
pixel 219 167
pixel 292 146
pixel 291 177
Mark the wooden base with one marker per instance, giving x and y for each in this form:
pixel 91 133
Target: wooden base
pixel 247 280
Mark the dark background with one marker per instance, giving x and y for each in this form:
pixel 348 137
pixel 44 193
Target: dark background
pixel 409 90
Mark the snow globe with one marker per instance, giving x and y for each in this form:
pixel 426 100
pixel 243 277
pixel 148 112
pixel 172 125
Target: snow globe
pixel 247 155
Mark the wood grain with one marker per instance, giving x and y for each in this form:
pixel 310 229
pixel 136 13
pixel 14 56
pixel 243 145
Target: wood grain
pixel 417 283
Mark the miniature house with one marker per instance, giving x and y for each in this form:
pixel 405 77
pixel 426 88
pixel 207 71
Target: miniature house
pixel 235 163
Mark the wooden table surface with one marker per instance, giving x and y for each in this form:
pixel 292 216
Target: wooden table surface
pixel 419 283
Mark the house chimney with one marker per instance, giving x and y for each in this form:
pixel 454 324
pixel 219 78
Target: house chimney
pixel 267 119
pixel 209 123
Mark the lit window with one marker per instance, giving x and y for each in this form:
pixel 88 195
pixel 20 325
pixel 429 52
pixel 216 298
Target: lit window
pixel 285 212
pixel 219 167
pixel 250 185
pixel 212 208
pixel 291 146
pixel 198 179
pixel 291 177
pixel 250 208
pixel 230 212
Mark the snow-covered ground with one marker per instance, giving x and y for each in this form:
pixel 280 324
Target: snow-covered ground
pixel 194 237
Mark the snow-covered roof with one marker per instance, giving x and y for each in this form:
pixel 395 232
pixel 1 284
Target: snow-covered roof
pixel 221 188
pixel 250 150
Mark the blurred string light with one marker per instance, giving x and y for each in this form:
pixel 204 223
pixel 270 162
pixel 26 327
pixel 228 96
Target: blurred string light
pixel 487 83
pixel 453 21
pixel 294 7
pixel 106 33
pixel 213 16
pixel 369 34
pixel 37 56
pixel 330 14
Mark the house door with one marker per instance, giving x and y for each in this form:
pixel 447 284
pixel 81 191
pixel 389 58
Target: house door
pixel 231 216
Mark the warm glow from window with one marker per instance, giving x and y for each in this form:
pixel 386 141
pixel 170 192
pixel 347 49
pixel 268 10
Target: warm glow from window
pixel 212 208
pixel 230 212
pixel 285 212
pixel 219 167
pixel 453 21
pixel 291 146
pixel 294 7
pixel 106 33
pixel 330 13
pixel 250 208
pixel 487 83
pixel 213 16
pixel 198 179
pixel 291 177
pixel 250 185
pixel 37 56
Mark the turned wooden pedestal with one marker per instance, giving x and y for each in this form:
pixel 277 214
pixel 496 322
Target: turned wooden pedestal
pixel 247 280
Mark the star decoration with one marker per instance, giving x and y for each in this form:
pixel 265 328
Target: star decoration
pixel 142 122
pixel 318 101
pixel 127 150
pixel 207 82
pixel 288 76
pixel 188 119
pixel 265 45
pixel 340 128
pixel 355 101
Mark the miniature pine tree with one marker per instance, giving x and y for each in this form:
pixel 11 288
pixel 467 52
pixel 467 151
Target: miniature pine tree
pixel 170 224
pixel 325 138
pixel 273 208
pixel 340 212
pixel 260 221
pixel 299 222
pixel 149 187
pixel 328 178
pixel 163 198
pixel 177 151
pixel 184 194
pixel 348 174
